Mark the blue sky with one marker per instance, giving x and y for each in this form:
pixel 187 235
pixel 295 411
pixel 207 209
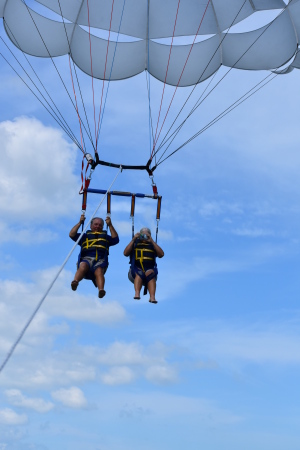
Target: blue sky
pixel 215 364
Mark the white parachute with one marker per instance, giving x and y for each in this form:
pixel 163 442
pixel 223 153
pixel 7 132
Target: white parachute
pixel 146 21
pixel 179 42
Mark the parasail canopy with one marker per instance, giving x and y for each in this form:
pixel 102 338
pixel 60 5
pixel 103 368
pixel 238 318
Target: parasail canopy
pixel 144 22
pixel 179 42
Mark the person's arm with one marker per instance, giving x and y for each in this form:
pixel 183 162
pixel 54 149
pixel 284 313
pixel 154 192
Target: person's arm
pixel 76 227
pixel 112 230
pixel 159 251
pixel 130 246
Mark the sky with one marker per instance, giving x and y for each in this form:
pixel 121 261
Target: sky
pixel 216 363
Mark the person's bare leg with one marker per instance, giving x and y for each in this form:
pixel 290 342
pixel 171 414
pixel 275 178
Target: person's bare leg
pixel 100 280
pixel 151 287
pixel 79 275
pixel 138 283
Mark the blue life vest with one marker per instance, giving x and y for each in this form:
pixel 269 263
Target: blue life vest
pixel 143 253
pixel 95 242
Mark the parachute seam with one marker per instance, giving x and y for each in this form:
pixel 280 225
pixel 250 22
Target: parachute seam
pixel 147 37
pixel 294 28
pixel 219 32
pixel 252 5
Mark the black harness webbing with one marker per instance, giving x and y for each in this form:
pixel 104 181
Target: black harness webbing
pixel 98 161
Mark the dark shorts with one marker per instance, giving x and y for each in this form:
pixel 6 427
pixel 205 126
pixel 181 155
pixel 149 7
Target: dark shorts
pixel 133 271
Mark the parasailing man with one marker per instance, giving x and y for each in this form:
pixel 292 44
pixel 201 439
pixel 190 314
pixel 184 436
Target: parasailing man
pixel 95 245
pixel 143 269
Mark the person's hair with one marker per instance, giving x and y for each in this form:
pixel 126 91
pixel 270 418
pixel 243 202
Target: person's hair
pixel 97 218
pixel 147 229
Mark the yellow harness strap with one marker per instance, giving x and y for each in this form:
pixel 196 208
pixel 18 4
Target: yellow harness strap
pixel 95 243
pixel 139 255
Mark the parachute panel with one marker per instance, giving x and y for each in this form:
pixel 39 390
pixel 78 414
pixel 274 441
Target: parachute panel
pixel 261 5
pixel 125 58
pixel 202 62
pixel 33 33
pixel 294 9
pixel 191 14
pixel 214 16
pixel 296 62
pixel 2 6
pixel 133 22
pixel 268 48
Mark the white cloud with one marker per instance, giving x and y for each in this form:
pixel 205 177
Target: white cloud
pixel 36 179
pixel 130 360
pixel 204 268
pixel 124 229
pixel 26 236
pixel 16 398
pixel 162 406
pixel 7 262
pixel 121 353
pixel 255 346
pixel 37 364
pixel 37 369
pixel 10 417
pixel 77 305
pixel 213 208
pixel 198 269
pixel 72 397
pixel 164 235
pixel 252 232
pixel 61 302
pixel 118 375
pixel 216 344
pixel 162 374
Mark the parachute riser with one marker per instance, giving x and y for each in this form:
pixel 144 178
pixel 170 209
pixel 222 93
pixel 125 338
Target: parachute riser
pixel 132 213
pixel 158 211
pixel 97 161
pixel 125 194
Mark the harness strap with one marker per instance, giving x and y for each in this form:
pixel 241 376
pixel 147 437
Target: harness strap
pixel 88 243
pixel 95 243
pixel 139 256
